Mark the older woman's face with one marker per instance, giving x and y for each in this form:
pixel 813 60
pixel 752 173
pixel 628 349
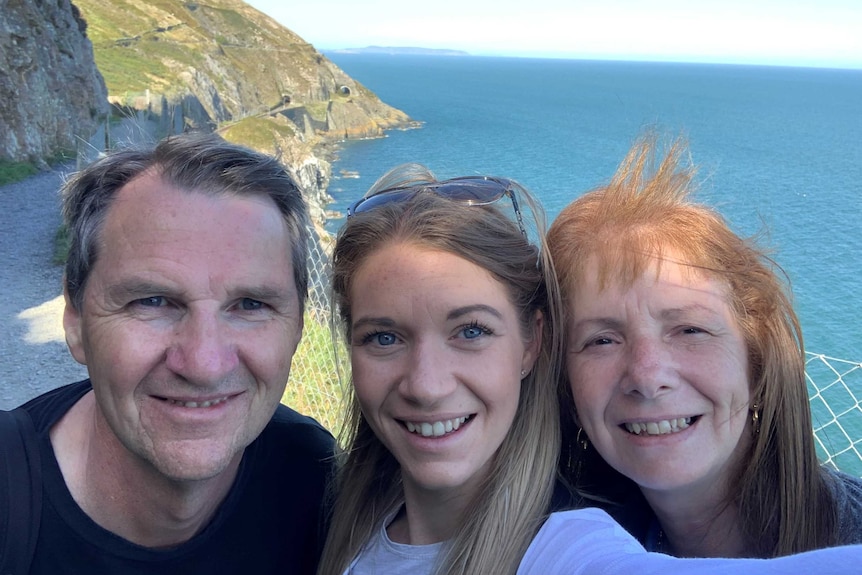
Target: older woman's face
pixel 659 376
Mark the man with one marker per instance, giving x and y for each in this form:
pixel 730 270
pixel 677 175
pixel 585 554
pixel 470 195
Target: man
pixel 185 287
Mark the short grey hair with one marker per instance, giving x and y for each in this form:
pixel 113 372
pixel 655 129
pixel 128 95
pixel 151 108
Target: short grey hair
pixel 203 163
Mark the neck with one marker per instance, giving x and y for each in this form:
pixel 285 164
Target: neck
pixel 126 495
pixel 698 525
pixel 428 516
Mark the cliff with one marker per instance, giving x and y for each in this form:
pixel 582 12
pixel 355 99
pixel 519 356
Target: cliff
pixel 51 94
pixel 221 63
pixel 172 65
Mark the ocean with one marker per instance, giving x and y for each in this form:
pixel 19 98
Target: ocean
pixel 779 152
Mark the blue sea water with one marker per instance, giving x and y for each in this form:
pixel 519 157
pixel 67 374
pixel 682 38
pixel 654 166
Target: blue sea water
pixel 779 149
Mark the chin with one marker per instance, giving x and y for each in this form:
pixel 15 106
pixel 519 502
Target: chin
pixel 199 463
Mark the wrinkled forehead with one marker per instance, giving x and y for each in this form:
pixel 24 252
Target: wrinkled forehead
pixel 620 265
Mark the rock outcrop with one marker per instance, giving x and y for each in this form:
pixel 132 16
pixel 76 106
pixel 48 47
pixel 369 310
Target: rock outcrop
pixel 52 97
pixel 170 66
pixel 225 65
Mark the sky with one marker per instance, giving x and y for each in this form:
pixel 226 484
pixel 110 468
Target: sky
pixel 822 33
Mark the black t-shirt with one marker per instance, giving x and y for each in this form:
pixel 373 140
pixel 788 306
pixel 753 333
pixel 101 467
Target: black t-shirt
pixel 270 521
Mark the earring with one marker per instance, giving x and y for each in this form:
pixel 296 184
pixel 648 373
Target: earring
pixel 582 440
pixel 523 373
pixel 755 418
pixel 583 443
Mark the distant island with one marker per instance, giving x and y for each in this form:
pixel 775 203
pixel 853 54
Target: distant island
pixel 399 50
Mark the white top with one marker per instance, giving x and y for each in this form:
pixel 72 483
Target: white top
pixel 382 556
pixel 589 542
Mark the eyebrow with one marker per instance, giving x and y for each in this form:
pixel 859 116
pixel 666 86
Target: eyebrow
pixel 681 312
pixel 675 313
pixel 264 293
pixel 136 288
pixel 454 314
pixel 383 322
pixel 468 309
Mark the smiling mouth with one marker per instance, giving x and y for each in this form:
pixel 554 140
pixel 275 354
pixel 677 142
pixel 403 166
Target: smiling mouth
pixel 662 427
pixel 196 404
pixel 436 428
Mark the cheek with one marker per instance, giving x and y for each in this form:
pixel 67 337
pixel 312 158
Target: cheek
pixel 268 352
pixel 366 381
pixel 589 393
pixel 121 350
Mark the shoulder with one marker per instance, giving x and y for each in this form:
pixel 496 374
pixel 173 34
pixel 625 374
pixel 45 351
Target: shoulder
pixel 845 488
pixel 48 408
pixel 576 538
pixel 847 496
pixel 290 430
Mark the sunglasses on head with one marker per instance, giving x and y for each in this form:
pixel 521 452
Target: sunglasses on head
pixel 467 190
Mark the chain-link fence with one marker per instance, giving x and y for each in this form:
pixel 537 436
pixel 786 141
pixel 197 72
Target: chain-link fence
pixel 313 387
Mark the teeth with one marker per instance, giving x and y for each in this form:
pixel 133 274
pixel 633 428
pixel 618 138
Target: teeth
pixel 662 427
pixel 208 403
pixel 435 429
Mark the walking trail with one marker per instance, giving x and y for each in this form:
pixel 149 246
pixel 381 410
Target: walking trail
pixel 33 353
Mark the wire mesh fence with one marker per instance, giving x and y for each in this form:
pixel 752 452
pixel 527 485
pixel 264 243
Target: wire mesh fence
pixel 834 385
pixel 835 391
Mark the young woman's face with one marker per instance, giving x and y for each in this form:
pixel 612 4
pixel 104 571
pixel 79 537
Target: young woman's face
pixel 437 353
pixel 659 374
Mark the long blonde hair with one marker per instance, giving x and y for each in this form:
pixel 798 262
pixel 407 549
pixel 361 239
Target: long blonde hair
pixel 784 503
pixel 498 525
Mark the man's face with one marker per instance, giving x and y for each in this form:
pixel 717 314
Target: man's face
pixel 189 322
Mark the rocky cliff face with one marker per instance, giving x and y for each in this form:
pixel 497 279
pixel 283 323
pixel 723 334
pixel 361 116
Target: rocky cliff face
pixel 222 63
pixel 51 94
pixel 173 65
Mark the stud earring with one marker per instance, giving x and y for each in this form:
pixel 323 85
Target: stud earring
pixel 523 373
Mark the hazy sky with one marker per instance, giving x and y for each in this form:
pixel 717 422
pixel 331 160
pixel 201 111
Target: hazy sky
pixel 795 32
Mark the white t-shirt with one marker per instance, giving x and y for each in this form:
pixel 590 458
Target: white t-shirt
pixel 589 542
pixel 382 556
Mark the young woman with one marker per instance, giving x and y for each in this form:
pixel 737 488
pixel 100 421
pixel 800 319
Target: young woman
pixel 446 305
pixel 684 360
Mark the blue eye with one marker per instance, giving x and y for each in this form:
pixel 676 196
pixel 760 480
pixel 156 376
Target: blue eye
pixel 154 301
pixel 248 304
pixel 472 332
pixel 475 330
pixel 384 338
pixel 381 338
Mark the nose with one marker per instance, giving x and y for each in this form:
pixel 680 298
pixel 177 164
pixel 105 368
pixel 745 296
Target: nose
pixel 429 375
pixel 202 350
pixel 648 370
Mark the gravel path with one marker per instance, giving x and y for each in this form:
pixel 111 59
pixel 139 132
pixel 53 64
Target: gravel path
pixel 33 353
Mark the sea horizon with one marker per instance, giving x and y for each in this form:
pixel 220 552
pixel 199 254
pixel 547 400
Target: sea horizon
pixel 779 149
pixel 643 59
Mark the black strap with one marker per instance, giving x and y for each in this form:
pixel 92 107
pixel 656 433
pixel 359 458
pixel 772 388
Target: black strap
pixel 20 492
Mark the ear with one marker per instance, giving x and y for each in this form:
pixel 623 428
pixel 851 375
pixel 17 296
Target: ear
pixel 72 325
pixel 534 345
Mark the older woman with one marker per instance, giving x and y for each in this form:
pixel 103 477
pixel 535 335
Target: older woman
pixel 684 361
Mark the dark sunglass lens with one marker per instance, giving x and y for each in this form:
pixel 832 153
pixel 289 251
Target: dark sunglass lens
pixel 472 191
pixel 377 200
pixel 469 190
